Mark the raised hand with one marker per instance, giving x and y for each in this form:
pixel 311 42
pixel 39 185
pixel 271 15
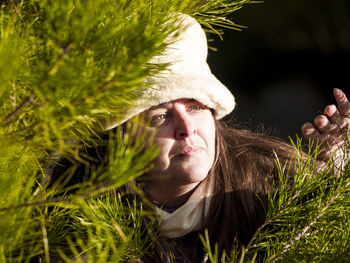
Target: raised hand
pixel 331 127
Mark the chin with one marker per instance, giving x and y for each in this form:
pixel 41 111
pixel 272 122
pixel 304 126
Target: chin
pixel 193 175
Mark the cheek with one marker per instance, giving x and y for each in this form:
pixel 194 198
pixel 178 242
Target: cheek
pixel 164 147
pixel 208 135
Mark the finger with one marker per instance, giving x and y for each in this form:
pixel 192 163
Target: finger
pixel 343 102
pixel 343 123
pixel 309 131
pixel 332 113
pixel 322 123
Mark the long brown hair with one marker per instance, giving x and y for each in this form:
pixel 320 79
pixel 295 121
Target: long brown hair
pixel 242 176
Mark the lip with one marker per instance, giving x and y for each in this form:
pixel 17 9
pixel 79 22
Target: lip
pixel 190 151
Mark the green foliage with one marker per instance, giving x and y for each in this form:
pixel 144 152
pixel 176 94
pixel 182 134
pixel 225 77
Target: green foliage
pixel 306 222
pixel 67 66
pixel 102 229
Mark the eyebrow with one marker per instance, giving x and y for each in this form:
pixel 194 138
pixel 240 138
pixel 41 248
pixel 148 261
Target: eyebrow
pixel 164 103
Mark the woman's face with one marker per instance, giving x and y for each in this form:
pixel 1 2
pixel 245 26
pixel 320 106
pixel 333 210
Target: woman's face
pixel 184 131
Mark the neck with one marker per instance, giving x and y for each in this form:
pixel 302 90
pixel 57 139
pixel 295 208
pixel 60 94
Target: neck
pixel 164 193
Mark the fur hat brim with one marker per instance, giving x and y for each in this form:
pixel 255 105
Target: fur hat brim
pixel 188 76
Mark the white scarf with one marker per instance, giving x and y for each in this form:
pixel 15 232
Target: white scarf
pixel 188 217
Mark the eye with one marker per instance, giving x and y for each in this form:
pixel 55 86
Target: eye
pixel 197 107
pixel 158 119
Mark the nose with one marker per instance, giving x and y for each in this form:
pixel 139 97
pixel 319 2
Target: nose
pixel 184 126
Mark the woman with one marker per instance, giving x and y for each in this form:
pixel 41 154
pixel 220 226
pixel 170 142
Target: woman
pixel 207 175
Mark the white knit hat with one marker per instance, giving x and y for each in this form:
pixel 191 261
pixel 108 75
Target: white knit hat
pixel 187 76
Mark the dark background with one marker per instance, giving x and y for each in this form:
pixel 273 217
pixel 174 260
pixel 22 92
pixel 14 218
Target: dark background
pixel 283 67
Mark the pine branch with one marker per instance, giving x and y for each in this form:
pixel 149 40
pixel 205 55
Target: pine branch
pixel 304 232
pixel 17 10
pixel 270 220
pixel 315 213
pixel 74 62
pixel 60 199
pixel 25 102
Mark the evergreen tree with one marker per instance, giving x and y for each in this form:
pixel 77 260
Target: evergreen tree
pixel 65 67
